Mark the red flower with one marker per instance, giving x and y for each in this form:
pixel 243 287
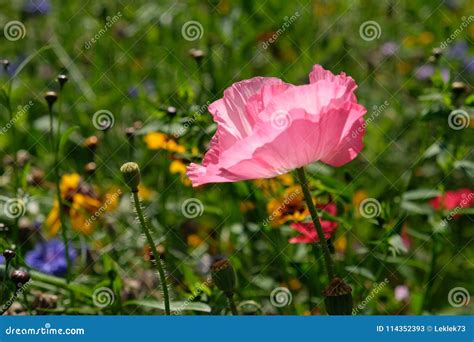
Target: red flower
pixel 462 198
pixel 308 231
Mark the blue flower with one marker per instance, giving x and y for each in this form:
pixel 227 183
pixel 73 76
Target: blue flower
pixel 37 7
pixel 49 257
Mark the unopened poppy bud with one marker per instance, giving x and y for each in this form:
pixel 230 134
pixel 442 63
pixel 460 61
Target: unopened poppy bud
pixel 131 175
pixel 51 98
pixel 338 298
pixel 20 277
pixel 223 276
pixel 62 79
pixel 8 254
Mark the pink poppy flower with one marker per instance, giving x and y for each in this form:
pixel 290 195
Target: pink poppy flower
pixel 267 127
pixel 308 231
pixel 462 198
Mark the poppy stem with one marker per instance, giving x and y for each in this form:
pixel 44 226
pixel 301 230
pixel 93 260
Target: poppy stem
pixel 233 307
pixel 157 262
pixel 317 224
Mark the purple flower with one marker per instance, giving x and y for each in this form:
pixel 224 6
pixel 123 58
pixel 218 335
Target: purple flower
pixel 469 64
pixel 49 257
pixel 426 71
pixel 402 293
pixel 37 7
pixel 389 49
pixel 132 92
pixel 2 259
pixel 458 50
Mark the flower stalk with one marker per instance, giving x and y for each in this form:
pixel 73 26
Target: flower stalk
pixel 317 224
pixel 131 174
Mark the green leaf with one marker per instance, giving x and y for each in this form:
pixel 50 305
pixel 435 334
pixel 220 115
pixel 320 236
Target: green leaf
pixel 420 194
pixel 65 138
pixel 412 207
pixel 3 97
pixel 174 306
pixel 361 271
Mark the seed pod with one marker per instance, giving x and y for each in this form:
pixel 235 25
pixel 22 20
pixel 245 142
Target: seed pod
pixel 20 277
pixel 458 87
pixel 51 97
pixel 171 111
pixel 8 254
pixel 131 175
pixel 6 64
pixel 223 276
pixel 62 79
pixel 338 298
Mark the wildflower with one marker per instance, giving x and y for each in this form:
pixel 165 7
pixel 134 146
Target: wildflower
pixel 462 198
pixel 178 167
pixel 160 141
pixel 267 128
pixel 389 49
pixel 308 231
pixel 402 293
pixel 49 257
pixel 39 7
pixel 289 207
pixel 80 203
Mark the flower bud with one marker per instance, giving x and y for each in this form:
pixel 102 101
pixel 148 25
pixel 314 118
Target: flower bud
pixel 458 87
pixel 171 111
pixel 62 79
pixel 6 64
pixel 90 168
pixel 130 132
pixel 437 52
pixel 8 254
pixel 20 277
pixel 131 175
pixel 92 142
pixel 223 276
pixel 338 298
pixel 51 97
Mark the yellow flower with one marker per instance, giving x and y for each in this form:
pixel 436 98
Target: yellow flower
pixel 160 141
pixel 145 193
pixel 288 207
pixel 155 140
pixel 340 244
pixel 194 240
pixel 294 284
pixel 80 204
pixel 177 166
pixel 425 38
